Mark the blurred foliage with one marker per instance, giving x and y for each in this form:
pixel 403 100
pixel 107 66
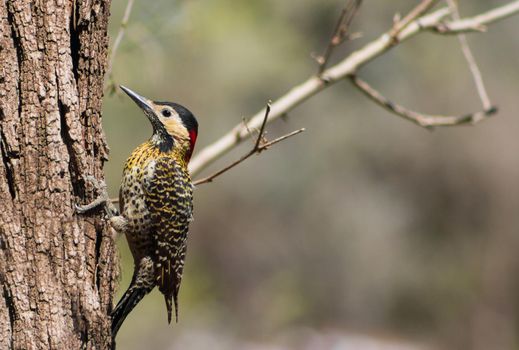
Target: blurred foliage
pixel 365 224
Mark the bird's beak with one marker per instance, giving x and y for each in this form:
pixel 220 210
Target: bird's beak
pixel 143 102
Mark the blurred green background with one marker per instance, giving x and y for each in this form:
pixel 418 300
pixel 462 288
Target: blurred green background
pixel 365 232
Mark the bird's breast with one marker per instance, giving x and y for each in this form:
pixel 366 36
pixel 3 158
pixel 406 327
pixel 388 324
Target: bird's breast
pixel 133 196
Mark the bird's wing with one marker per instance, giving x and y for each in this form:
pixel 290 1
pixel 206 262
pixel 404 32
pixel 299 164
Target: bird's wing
pixel 168 194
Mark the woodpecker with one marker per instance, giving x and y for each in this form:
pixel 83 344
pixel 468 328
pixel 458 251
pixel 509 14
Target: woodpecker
pixel 156 205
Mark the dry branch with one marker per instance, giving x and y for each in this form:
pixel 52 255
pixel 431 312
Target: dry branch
pixel 477 23
pixel 259 146
pixel 419 10
pixel 430 121
pixel 425 120
pixel 340 33
pixel 349 66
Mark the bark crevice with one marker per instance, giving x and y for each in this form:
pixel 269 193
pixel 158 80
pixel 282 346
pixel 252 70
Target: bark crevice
pixel 98 244
pixel 8 299
pixel 17 43
pixel 9 171
pixel 75 45
pixel 73 166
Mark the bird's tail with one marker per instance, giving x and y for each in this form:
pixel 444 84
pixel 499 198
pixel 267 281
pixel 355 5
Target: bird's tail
pixel 130 299
pixel 169 298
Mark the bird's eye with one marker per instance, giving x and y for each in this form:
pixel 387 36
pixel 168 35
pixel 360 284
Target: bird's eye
pixel 166 112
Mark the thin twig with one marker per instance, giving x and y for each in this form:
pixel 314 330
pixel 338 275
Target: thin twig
pixel 117 42
pixel 416 12
pixel 424 120
pixel 340 33
pixel 262 129
pixel 471 61
pixel 266 145
pixel 259 146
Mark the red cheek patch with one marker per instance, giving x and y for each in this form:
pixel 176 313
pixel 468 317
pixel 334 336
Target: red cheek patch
pixel 192 141
pixel 192 137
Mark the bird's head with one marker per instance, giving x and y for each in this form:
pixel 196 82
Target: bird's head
pixel 174 127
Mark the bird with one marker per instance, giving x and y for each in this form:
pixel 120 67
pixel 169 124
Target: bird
pixel 156 205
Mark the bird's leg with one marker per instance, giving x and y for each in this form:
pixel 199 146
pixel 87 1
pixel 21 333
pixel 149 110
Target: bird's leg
pixel 117 221
pixel 102 200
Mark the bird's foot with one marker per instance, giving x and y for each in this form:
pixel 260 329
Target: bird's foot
pixel 102 200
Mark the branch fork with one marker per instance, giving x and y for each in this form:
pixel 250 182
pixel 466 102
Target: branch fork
pixel 261 144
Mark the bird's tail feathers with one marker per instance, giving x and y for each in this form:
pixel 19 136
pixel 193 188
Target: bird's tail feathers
pixel 130 299
pixel 169 305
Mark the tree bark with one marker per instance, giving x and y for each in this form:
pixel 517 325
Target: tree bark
pixel 57 269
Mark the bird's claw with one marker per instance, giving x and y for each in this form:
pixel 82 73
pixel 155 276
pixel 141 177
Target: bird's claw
pixel 81 209
pixel 102 200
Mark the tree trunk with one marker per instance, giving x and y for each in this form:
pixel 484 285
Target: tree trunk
pixel 57 269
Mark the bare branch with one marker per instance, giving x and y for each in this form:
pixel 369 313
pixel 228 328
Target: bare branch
pixel 117 42
pixel 266 145
pixel 348 66
pixel 477 23
pixel 340 33
pixel 429 121
pixel 424 120
pixel 419 10
pixel 474 69
pixel 259 147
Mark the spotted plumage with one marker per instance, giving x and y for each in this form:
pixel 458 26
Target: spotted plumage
pixel 156 198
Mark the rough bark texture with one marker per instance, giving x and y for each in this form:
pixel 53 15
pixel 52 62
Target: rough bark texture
pixel 57 269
